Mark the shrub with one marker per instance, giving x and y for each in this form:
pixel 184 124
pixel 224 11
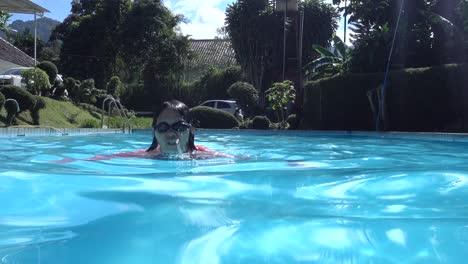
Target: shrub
pixel 25 100
pixel 50 69
pixel 113 86
pixel 293 121
pixel 58 92
pixel 279 95
pixel 246 123
pixel 88 92
pixel 72 118
pixel 90 123
pixel 261 122
pixel 133 95
pixel 36 81
pixel 12 110
pixel 40 104
pixel 73 88
pixel 2 101
pixel 89 107
pixel 207 117
pixel 245 94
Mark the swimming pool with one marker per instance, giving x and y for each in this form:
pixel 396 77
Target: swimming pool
pixel 299 198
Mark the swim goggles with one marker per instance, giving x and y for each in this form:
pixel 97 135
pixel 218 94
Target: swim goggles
pixel 179 126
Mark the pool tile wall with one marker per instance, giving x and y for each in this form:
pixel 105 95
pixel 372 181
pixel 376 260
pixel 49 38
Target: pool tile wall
pixel 49 131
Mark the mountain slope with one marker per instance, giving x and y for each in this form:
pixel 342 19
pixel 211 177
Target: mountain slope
pixel 45 26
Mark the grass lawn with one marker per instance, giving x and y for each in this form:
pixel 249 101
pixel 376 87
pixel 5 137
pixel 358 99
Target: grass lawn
pixel 62 114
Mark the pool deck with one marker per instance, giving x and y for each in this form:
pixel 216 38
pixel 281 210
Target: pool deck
pixel 50 131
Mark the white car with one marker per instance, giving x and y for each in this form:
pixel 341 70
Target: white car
pixel 13 76
pixel 229 106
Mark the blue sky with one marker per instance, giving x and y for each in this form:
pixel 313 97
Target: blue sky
pixel 204 16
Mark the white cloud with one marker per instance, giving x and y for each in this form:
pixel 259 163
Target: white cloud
pixel 168 4
pixel 204 16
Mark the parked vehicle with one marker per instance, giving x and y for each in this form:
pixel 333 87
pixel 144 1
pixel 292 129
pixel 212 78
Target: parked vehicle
pixel 13 76
pixel 229 106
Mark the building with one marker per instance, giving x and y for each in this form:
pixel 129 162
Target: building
pixel 22 7
pixel 12 57
pixel 208 53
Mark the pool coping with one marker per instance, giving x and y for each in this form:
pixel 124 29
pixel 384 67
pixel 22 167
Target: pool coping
pixel 6 132
pixel 433 136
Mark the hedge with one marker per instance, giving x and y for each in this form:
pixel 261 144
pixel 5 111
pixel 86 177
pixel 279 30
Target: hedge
pixel 40 104
pixel 2 101
pixel 207 117
pixel 26 100
pixel 50 69
pixel 11 108
pixel 422 99
pixel 245 94
pixel 261 122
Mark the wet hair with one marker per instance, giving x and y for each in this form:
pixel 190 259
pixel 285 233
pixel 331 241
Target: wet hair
pixel 183 110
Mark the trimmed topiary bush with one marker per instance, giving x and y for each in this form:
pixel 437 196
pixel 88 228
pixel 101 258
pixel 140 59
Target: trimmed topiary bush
pixel 25 100
pixel 36 81
pixel 2 101
pixel 207 117
pixel 245 94
pixel 114 86
pixel 12 110
pixel 50 69
pixel 261 122
pixel 40 104
pixel 73 88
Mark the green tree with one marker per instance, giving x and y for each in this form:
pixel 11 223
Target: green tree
pixel 279 96
pixel 245 94
pixel 254 29
pixel 25 42
pixel 429 33
pixel 136 40
pixel 4 16
pixel 36 80
pixel 91 39
pixel 156 43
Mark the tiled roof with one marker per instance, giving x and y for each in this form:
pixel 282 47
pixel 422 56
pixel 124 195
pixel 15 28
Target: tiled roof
pixel 213 52
pixel 14 55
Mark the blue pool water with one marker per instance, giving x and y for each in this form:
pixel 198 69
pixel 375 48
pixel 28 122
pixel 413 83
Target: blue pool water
pixel 297 199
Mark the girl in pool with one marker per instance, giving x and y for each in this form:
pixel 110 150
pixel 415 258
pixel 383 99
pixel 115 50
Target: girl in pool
pixel 173 134
pixel 173 138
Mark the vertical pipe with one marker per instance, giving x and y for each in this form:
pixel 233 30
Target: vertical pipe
pixel 301 36
pixel 35 39
pixel 389 60
pixel 284 37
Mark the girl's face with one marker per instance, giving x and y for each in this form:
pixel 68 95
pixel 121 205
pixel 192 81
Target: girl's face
pixel 172 132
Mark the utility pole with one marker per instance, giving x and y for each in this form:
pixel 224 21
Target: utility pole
pixel 345 25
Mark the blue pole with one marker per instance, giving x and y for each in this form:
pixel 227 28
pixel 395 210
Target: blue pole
pixel 384 89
